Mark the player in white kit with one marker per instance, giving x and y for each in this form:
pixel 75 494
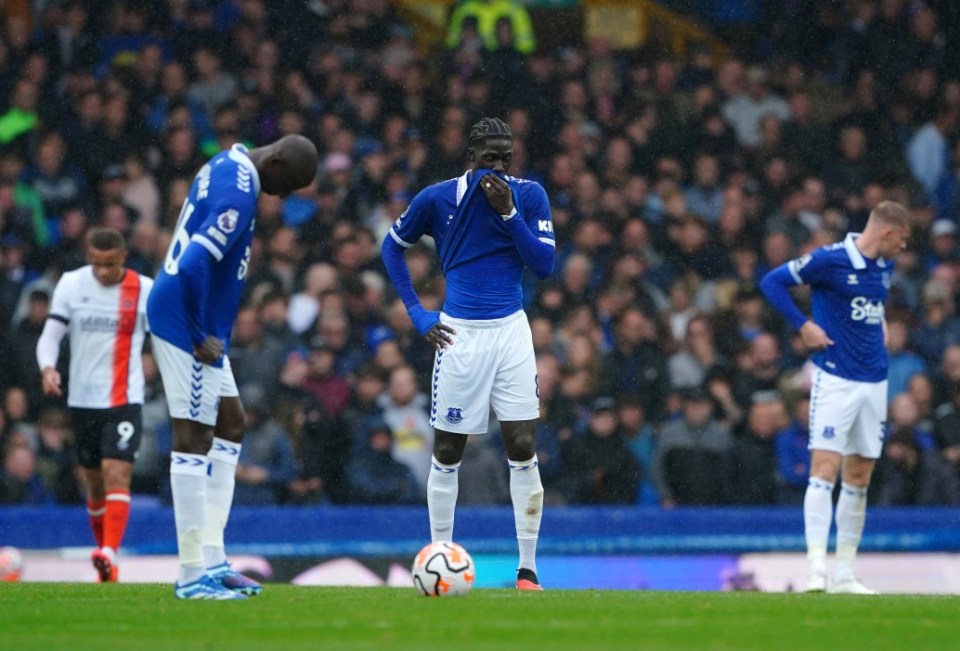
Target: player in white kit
pixel 487 226
pixel 850 281
pixel 102 306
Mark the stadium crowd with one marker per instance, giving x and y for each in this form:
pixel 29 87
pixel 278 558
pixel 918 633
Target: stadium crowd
pixel 675 183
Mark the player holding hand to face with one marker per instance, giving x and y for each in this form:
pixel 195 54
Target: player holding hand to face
pixel 191 312
pixel 850 281
pixel 487 226
pixel 102 306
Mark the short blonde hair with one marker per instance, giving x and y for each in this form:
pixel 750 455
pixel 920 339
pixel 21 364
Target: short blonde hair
pixel 892 213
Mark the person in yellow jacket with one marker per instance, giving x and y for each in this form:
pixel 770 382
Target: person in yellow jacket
pixel 486 14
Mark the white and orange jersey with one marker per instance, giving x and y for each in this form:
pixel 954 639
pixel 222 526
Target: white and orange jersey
pixel 107 327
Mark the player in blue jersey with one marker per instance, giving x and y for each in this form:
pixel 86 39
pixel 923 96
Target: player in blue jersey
pixel 191 311
pixel 487 227
pixel 850 281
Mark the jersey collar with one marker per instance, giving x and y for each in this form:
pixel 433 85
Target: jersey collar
pixel 856 258
pixel 462 184
pixel 239 153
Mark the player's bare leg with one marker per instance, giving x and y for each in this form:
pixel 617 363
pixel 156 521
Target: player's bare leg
pixel 851 515
pixel 113 479
pixel 96 505
pixel 96 495
pixel 443 483
pixel 526 493
pixel 221 480
pixel 818 514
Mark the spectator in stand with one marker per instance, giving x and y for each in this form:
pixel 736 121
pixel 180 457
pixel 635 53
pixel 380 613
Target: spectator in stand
pixel 693 456
pixel 486 18
pixel 930 159
pixel 20 483
pixel 908 475
pixel 635 365
pixel 904 363
pixel 405 411
pixel 745 111
pixel 793 453
pixel 266 463
pixel 755 478
pixel 598 466
pixel 376 477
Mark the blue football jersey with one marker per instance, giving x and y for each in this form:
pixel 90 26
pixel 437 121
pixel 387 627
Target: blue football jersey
pixel 479 259
pixel 219 215
pixel 849 292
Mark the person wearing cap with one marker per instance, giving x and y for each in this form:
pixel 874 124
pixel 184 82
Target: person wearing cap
pixel 850 281
pixel 693 452
pixel 488 227
pixel 598 467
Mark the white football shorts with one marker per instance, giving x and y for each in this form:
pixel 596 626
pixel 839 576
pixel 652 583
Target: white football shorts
pixel 490 364
pixel 847 416
pixel 193 389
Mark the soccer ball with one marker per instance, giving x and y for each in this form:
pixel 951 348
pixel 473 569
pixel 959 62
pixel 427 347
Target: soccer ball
pixel 11 564
pixel 443 569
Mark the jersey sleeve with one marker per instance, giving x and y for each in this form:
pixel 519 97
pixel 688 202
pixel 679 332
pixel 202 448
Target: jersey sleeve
pixel 810 269
pixel 414 223
pixel 232 209
pixel 60 303
pixel 536 212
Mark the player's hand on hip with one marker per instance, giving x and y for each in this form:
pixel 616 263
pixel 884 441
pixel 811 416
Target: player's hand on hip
pixel 498 193
pixel 814 337
pixel 440 336
pixel 209 351
pixel 51 382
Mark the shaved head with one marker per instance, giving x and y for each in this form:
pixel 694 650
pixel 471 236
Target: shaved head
pixel 300 155
pixel 286 165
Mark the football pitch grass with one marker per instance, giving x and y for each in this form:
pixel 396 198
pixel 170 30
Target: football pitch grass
pixel 146 616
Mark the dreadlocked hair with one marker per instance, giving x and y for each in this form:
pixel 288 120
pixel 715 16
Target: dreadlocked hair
pixel 489 128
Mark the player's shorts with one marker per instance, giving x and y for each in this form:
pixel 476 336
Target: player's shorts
pixel 112 433
pixel 490 364
pixel 193 389
pixel 846 416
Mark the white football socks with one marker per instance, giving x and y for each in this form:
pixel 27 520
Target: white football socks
pixel 817 515
pixel 851 515
pixel 223 457
pixel 188 479
pixel 443 485
pixel 526 492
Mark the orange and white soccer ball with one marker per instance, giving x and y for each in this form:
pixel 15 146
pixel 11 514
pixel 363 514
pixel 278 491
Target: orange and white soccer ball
pixel 443 569
pixel 11 564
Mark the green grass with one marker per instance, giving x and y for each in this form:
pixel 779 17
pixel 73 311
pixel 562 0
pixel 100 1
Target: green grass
pixel 131 617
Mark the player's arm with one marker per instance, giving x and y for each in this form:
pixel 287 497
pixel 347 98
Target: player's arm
pixel 231 214
pixel 776 288
pixel 196 267
pixel 537 250
pixel 405 232
pixel 48 346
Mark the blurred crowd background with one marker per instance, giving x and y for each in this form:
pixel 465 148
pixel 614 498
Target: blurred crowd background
pixel 675 179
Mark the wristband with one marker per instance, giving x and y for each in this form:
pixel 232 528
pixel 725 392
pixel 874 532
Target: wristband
pixel 510 216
